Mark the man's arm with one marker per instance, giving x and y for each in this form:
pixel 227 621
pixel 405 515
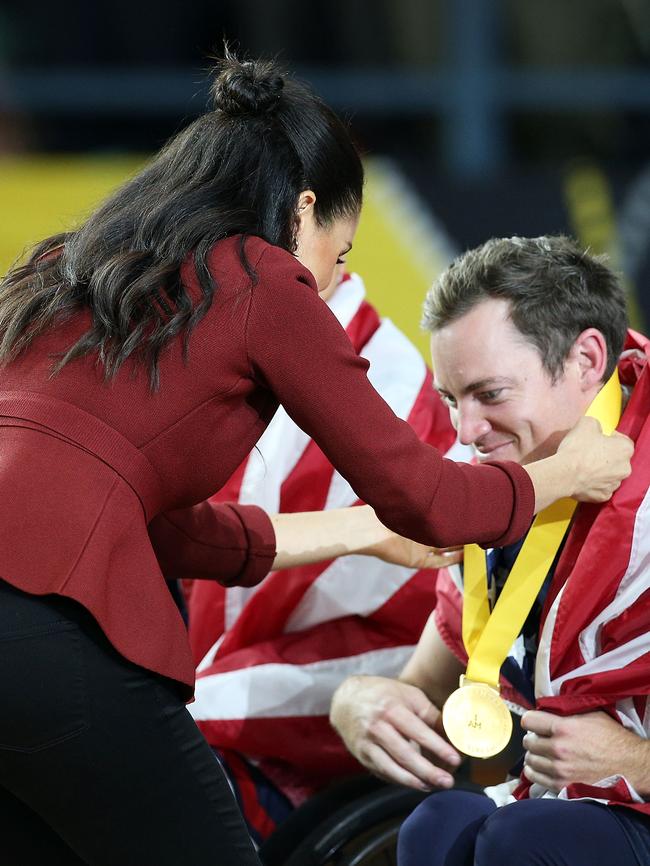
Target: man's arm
pixel 387 723
pixel 433 667
pixel 583 748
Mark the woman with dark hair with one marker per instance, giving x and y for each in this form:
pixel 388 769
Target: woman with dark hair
pixel 142 357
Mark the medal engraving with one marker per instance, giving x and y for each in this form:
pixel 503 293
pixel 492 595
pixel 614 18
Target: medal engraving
pixel 477 721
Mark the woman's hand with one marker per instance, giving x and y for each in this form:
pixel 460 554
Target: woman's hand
pixel 314 536
pixel 598 463
pixel 402 551
pixel 387 725
pixel 588 466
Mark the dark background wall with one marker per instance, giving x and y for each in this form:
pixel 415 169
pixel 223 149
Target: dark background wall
pixel 508 116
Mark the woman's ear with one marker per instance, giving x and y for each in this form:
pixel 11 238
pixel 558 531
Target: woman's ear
pixel 306 202
pixel 304 218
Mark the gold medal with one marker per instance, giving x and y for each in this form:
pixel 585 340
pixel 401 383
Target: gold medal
pixel 476 720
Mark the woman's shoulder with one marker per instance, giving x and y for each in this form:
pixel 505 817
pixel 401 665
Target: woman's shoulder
pixel 257 259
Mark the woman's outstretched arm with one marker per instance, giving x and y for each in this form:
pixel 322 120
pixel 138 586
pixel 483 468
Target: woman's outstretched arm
pixel 299 351
pixel 238 545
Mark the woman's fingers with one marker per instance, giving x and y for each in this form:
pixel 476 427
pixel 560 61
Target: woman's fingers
pixel 437 558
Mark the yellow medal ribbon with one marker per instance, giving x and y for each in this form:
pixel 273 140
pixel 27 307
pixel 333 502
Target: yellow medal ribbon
pixel 475 718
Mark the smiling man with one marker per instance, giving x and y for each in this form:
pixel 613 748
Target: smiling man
pixel 524 333
pixel 518 357
pixel 502 399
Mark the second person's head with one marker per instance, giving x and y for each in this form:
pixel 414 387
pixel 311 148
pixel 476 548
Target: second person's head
pixel 524 332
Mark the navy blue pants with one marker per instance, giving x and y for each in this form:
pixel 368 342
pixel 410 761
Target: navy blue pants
pixel 100 762
pixel 458 828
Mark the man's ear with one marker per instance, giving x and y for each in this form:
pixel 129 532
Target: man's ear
pixel 590 355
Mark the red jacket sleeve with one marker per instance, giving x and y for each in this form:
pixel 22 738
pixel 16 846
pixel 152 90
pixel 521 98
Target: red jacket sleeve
pixel 233 544
pixel 298 349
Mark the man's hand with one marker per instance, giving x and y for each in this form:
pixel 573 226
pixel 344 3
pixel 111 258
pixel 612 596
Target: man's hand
pixel 386 724
pixel 583 748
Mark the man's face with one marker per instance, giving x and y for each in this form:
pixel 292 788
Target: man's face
pixel 502 400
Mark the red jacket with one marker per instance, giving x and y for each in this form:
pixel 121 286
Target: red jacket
pixel 101 481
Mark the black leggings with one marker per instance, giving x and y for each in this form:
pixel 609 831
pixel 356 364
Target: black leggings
pixel 100 762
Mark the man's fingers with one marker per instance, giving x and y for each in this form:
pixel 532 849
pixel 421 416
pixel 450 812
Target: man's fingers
pixel 406 753
pixel 383 765
pixel 538 745
pixel 538 722
pixel 541 765
pixel 540 779
pixel 418 728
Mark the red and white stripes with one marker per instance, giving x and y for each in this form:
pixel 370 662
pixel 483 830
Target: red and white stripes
pixel 270 657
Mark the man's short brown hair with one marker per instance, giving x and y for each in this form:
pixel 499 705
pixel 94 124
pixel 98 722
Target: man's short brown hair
pixel 555 291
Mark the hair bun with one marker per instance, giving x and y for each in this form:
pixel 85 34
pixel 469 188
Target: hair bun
pixel 250 87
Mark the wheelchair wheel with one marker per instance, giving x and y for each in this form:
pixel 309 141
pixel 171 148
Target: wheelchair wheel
pixel 277 849
pixel 361 833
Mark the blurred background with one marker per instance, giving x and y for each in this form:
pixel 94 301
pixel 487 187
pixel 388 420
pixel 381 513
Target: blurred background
pixel 476 117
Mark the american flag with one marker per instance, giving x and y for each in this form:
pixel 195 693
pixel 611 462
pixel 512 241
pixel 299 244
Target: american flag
pixel 594 639
pixel 270 657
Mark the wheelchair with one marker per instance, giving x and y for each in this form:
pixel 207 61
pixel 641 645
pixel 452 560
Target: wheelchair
pixel 351 823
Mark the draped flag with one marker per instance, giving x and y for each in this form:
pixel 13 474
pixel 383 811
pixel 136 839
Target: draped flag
pixel 594 638
pixel 269 657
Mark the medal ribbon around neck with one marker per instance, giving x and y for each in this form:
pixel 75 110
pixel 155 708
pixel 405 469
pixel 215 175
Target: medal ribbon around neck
pixel 475 722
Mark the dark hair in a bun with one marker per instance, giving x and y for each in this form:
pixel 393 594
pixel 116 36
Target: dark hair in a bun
pixel 246 87
pixel 237 170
